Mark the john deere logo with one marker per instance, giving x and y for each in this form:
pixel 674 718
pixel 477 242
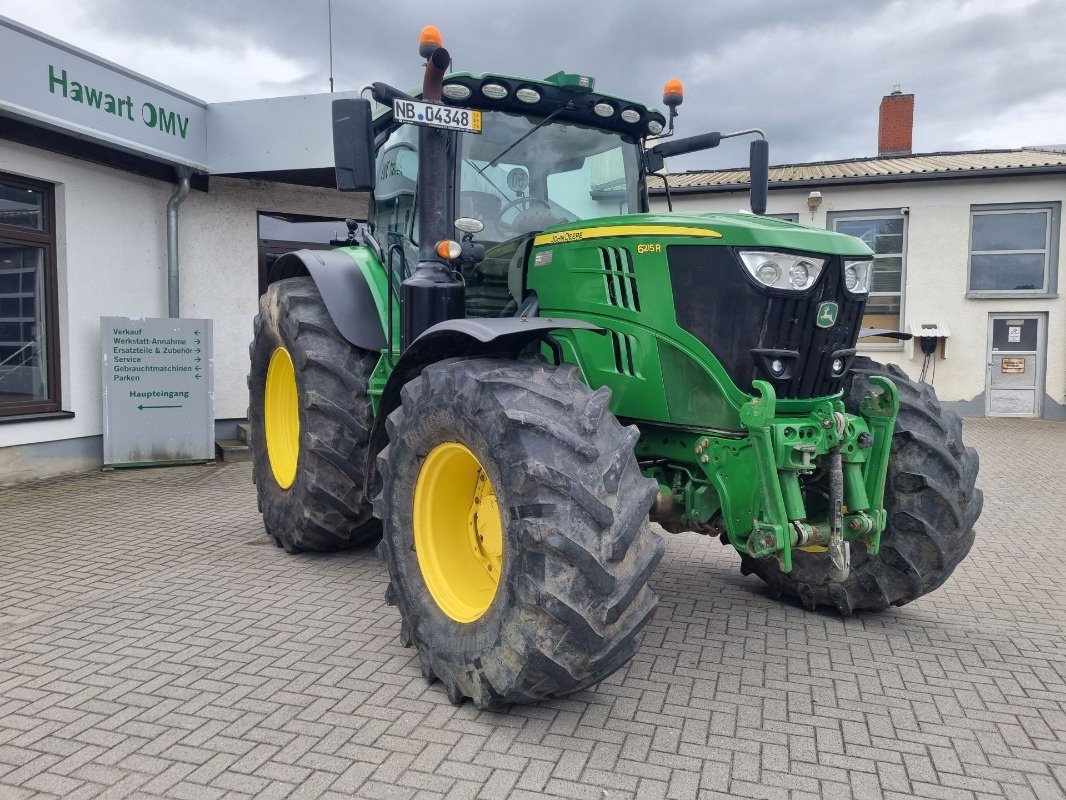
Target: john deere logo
pixel 827 315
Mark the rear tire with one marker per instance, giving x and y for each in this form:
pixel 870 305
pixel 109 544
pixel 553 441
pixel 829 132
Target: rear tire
pixel 571 597
pixel 930 497
pixel 323 507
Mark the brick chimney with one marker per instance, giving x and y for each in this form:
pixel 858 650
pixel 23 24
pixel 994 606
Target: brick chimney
pixel 895 124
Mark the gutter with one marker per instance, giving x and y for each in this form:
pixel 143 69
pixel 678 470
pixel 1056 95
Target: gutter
pixel 862 180
pixel 173 273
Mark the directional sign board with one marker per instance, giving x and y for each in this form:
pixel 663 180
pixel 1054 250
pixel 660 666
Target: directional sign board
pixel 158 391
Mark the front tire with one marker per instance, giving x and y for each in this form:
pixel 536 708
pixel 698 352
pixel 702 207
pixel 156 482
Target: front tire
pixel 309 419
pixel 930 497
pixel 566 530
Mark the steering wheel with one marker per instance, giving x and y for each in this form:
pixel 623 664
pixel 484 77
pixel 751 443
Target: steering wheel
pixel 508 227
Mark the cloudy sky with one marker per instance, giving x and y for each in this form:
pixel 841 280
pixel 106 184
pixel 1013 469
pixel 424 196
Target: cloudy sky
pixel 986 73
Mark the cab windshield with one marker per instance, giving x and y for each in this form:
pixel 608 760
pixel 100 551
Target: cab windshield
pixel 560 172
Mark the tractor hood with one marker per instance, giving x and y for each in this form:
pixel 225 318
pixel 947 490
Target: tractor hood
pixel 740 229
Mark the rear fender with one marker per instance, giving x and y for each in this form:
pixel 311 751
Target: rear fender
pixel 352 303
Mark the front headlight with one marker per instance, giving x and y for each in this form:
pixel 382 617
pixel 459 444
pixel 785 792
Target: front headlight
pixel 857 276
pixel 782 270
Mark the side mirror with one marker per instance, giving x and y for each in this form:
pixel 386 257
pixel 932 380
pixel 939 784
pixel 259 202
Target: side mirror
pixel 760 175
pixel 353 145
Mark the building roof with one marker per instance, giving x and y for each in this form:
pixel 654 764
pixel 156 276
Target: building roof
pixel 877 169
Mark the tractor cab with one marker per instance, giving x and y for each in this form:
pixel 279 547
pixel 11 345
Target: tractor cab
pixel 545 155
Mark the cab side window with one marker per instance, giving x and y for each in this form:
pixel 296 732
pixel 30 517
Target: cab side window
pixel 394 194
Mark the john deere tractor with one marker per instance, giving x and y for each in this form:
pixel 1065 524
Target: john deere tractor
pixel 514 363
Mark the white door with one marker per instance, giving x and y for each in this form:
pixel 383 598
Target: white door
pixel 1014 384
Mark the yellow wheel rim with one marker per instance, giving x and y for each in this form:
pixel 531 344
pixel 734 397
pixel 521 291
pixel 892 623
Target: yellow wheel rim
pixel 281 418
pixel 458 532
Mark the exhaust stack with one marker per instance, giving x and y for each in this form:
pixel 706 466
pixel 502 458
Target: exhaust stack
pixel 432 294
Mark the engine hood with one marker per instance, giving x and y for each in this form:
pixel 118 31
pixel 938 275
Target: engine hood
pixel 744 230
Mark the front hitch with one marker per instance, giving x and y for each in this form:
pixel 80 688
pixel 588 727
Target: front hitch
pixel 880 411
pixel 773 534
pixel 855 450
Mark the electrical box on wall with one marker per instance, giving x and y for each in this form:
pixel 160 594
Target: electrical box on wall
pixel 929 337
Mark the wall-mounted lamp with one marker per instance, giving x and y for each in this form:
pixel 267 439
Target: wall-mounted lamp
pixel 814 199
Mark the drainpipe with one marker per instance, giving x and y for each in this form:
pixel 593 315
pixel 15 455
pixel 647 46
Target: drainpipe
pixel 176 200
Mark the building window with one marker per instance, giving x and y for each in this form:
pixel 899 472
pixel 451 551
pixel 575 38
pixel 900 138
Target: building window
pixel 787 217
pixel 282 233
pixel 886 234
pixel 1013 249
pixel 29 342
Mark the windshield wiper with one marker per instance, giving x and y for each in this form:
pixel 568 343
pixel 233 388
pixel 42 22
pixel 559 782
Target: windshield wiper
pixel 492 183
pixel 527 134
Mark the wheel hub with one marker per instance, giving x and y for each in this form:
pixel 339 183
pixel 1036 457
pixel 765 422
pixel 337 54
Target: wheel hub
pixel 281 418
pixel 458 531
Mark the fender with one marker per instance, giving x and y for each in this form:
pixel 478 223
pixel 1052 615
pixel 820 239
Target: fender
pixel 344 290
pixel 459 338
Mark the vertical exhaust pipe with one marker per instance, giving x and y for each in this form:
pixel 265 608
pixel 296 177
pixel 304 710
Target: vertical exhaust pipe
pixel 432 294
pixel 433 224
pixel 433 80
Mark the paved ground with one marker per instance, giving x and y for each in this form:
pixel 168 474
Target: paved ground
pixel 154 643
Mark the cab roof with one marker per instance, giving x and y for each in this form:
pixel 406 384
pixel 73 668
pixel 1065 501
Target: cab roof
pixel 572 96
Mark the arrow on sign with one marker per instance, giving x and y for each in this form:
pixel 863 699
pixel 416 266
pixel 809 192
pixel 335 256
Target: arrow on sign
pixel 143 407
pixel 198 358
pixel 196 333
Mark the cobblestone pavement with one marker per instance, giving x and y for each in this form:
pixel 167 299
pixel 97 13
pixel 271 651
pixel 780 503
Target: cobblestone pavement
pixel 156 643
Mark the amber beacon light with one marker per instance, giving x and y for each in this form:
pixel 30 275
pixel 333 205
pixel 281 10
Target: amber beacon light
pixel 673 93
pixel 429 40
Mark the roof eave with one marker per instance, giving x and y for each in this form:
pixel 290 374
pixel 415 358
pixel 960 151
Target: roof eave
pixel 812 183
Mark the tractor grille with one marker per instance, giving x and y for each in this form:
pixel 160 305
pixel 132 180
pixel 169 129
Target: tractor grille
pixel 716 302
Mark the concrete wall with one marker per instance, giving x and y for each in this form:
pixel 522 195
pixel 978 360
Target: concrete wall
pixel 217 245
pixel 937 255
pixel 111 258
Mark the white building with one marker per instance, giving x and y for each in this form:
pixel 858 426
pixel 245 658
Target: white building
pixel 90 156
pixel 968 242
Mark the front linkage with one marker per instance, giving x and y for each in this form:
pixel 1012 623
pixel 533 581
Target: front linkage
pixel 761 484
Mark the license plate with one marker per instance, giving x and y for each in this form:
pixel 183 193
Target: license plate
pixel 437 116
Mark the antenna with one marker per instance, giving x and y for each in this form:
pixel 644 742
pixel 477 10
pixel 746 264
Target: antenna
pixel 329 12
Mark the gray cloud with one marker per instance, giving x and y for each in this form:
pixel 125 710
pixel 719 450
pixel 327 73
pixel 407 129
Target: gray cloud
pixel 810 73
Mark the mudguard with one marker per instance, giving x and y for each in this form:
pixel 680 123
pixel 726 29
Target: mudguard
pixel 344 290
pixel 460 338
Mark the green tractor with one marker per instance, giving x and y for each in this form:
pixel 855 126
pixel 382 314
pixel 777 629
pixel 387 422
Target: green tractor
pixel 515 366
